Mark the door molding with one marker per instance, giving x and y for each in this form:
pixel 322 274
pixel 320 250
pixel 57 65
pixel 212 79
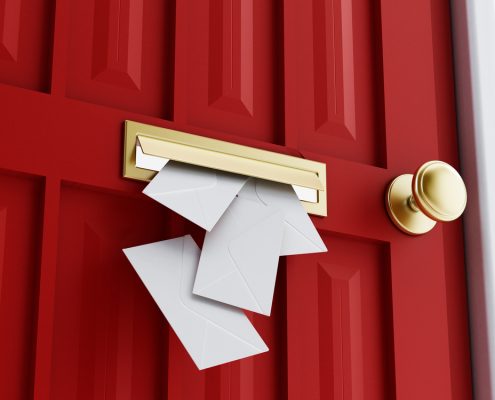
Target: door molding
pixel 474 53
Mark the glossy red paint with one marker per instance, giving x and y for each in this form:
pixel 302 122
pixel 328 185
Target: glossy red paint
pixel 365 87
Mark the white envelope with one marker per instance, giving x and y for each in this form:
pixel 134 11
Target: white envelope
pixel 300 235
pixel 199 194
pixel 239 259
pixel 212 333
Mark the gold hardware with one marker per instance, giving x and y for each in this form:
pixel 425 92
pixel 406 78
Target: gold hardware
pixel 436 192
pixel 164 144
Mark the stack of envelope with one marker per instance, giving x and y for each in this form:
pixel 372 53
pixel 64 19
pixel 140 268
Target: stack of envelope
pixel 250 223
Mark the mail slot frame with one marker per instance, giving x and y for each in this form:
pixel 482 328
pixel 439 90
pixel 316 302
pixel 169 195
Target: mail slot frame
pixel 224 156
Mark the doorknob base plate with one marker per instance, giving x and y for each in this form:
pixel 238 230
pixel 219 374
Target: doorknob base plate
pixel 402 215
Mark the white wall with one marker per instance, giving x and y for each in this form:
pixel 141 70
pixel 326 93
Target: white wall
pixel 474 47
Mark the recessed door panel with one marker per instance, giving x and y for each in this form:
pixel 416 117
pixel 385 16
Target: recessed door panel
pixel 334 78
pixel 21 199
pixel 228 68
pixel 340 320
pixel 26 29
pixel 110 336
pixel 120 54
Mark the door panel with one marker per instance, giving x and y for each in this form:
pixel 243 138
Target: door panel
pixel 120 53
pixel 365 87
pixel 25 37
pixel 20 236
pixel 110 341
pixel 340 331
pixel 334 78
pixel 228 71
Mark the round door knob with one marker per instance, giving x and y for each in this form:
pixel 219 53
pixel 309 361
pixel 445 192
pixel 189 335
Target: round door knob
pixel 436 192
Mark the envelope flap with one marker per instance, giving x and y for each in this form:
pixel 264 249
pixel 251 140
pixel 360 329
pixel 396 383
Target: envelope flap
pixel 201 195
pixel 221 346
pixel 300 236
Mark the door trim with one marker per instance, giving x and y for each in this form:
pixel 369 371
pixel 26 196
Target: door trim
pixel 474 54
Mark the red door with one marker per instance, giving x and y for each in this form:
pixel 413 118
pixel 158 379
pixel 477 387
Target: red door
pixel 364 86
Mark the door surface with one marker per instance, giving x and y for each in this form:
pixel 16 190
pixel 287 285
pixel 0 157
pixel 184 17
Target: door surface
pixel 364 86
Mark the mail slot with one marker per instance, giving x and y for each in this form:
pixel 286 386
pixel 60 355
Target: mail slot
pixel 148 148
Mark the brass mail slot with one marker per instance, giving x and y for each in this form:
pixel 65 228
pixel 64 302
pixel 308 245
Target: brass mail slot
pixel 147 149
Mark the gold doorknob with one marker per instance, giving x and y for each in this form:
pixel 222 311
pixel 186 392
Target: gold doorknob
pixel 436 192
